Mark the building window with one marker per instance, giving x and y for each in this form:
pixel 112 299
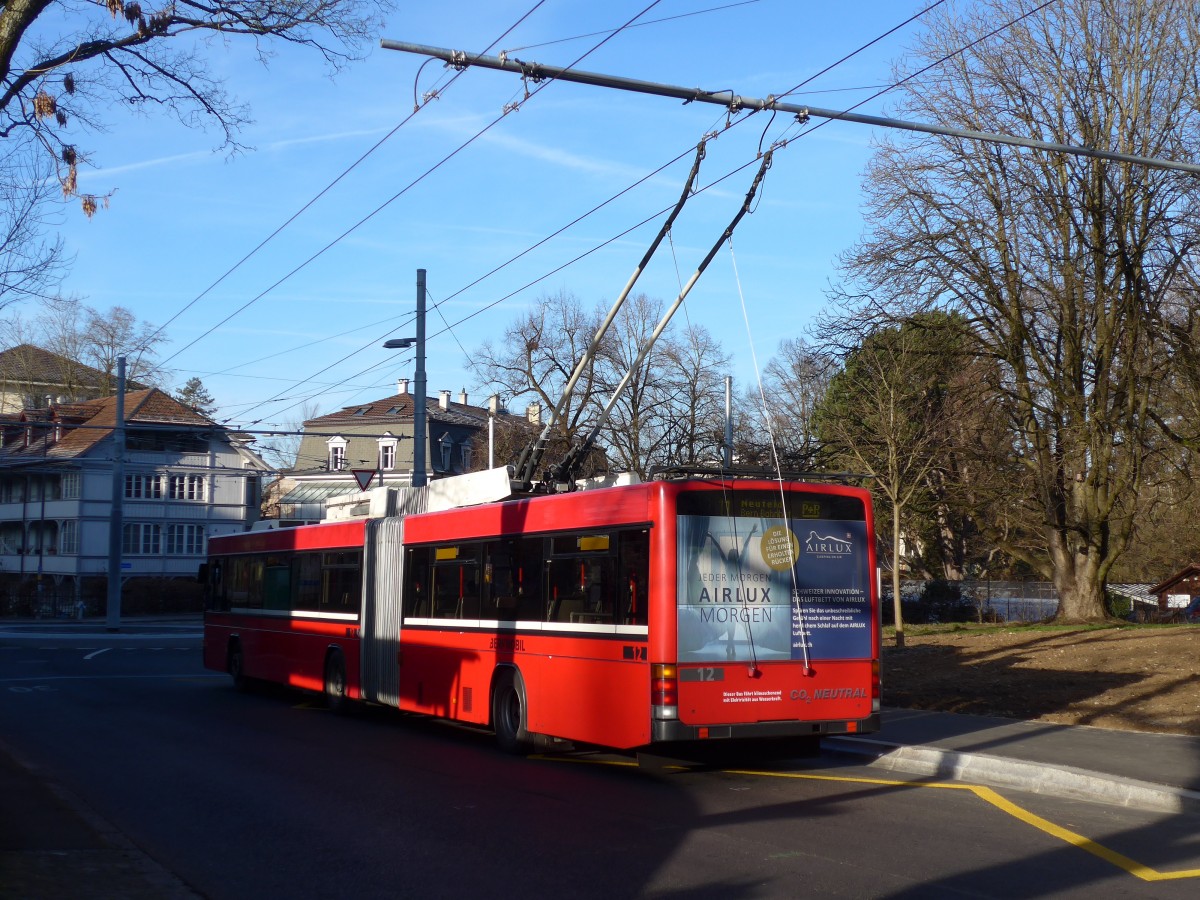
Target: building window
pixel 446 443
pixel 387 452
pixel 68 538
pixel 185 540
pixel 143 487
pixel 337 454
pixel 70 483
pixel 466 456
pixel 141 539
pixel 187 487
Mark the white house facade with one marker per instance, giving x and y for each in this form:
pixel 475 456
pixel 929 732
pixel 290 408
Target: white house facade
pixel 184 480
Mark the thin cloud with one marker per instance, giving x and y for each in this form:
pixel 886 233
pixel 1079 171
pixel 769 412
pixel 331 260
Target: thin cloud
pixel 208 155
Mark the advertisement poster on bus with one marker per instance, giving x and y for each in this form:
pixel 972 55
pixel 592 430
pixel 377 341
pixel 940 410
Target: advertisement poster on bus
pixel 758 589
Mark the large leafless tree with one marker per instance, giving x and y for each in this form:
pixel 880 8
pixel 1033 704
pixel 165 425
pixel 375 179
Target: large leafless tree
pixel 1062 265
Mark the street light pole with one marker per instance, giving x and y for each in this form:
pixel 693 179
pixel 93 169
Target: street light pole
pixel 112 616
pixel 419 440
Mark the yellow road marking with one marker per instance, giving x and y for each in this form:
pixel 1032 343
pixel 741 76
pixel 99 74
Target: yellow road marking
pixel 1133 867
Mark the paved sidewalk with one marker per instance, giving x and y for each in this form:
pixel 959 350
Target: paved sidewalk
pixel 52 846
pixel 1125 768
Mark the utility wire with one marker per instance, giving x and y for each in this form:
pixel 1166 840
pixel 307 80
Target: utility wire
pixel 610 32
pixel 494 303
pixel 320 194
pixel 449 156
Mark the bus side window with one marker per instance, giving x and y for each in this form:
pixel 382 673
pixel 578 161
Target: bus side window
pixel 455 590
pixel 528 557
pixel 500 577
pixel 633 576
pixel 469 590
pixel 306 581
pixel 342 581
pixel 416 582
pixel 579 589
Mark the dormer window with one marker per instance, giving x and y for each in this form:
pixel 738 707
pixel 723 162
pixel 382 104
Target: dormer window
pixel 387 452
pixel 337 453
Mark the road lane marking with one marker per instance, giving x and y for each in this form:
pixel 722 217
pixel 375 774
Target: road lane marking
pixel 96 653
pixel 986 794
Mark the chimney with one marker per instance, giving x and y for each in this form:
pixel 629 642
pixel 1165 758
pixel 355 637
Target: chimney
pixel 533 412
pixel 462 396
pixel 444 399
pixel 494 405
pixel 402 386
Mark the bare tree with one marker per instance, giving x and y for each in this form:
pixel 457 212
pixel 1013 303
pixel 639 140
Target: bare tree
pixel 536 356
pixel 65 65
pixel 1062 265
pixel 780 411
pixel 107 336
pixel 694 366
pixel 30 264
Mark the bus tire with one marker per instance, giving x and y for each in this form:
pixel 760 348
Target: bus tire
pixel 235 664
pixel 509 713
pixel 336 700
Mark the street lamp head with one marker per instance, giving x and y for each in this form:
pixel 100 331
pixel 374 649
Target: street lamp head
pixel 399 343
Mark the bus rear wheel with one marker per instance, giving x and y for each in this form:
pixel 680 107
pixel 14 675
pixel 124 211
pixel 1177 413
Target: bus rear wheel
pixel 336 699
pixel 509 713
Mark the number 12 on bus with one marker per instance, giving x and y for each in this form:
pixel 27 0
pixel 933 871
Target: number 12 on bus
pixel 623 617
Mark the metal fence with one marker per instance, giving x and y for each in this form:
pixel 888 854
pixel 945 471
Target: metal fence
pixel 978 600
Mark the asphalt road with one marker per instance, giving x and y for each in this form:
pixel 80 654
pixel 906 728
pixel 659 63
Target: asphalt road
pixel 268 795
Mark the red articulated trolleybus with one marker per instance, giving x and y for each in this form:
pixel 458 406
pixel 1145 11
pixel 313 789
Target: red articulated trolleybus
pixel 683 609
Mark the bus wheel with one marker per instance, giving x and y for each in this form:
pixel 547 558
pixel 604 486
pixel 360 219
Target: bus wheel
pixel 236 666
pixel 335 684
pixel 508 713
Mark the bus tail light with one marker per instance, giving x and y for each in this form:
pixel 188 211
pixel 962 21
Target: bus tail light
pixel 664 691
pixel 875 686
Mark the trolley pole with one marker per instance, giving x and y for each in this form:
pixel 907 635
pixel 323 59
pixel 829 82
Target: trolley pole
pixel 728 448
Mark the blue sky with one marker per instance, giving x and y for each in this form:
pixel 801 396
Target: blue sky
pixel 183 215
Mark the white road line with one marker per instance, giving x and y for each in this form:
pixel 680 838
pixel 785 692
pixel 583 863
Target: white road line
pixel 96 653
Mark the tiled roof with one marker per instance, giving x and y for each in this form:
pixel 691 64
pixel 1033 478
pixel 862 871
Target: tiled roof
pixel 399 408
pixel 31 365
pixel 148 407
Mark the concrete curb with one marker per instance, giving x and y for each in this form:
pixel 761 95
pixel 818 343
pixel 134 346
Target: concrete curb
pixel 1038 778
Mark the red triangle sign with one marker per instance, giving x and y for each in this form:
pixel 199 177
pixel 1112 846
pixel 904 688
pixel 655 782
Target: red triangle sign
pixel 363 477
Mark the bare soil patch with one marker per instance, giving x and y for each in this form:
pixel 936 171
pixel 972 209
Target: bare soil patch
pixel 1137 678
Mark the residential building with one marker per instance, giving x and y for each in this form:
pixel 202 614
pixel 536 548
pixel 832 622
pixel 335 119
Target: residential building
pixel 184 480
pixel 375 440
pixel 33 378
